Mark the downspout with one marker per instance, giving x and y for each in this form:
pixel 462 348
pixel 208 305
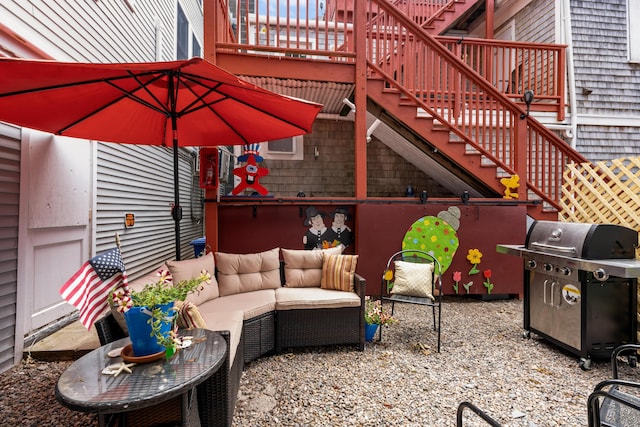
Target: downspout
pixel 565 15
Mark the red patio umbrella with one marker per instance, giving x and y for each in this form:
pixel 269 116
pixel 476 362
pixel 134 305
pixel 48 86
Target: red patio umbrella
pixel 173 104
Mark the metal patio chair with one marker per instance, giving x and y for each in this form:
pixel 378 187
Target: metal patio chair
pixel 421 284
pixel 479 412
pixel 616 401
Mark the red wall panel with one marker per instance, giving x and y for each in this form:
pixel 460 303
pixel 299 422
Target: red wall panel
pixel 378 232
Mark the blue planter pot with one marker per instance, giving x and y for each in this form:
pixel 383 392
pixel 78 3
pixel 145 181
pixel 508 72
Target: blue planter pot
pixel 370 331
pixel 141 335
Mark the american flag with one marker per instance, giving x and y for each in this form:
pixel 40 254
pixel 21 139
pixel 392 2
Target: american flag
pixel 89 288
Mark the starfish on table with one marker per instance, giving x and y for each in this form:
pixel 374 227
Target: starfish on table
pixel 117 369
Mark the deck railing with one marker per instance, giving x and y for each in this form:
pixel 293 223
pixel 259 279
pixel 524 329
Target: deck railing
pixel 450 79
pixel 461 99
pixel 514 67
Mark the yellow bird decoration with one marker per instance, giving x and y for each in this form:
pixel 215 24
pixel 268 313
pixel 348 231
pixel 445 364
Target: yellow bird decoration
pixel 511 183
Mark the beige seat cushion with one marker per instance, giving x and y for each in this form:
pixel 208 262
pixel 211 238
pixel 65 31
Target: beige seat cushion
pixel 251 304
pixel 310 298
pixel 191 269
pixel 231 321
pixel 248 272
pixel 303 268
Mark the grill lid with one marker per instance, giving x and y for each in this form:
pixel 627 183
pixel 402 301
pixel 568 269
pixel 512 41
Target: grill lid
pixel 580 240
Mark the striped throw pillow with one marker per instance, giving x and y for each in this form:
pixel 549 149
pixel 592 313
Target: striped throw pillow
pixel 338 271
pixel 189 316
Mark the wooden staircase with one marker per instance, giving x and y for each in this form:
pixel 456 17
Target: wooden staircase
pixel 395 110
pixel 422 86
pixel 447 15
pixel 444 94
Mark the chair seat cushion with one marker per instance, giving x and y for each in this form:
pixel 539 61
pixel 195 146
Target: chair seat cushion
pixel 251 304
pixel 312 298
pixel 231 321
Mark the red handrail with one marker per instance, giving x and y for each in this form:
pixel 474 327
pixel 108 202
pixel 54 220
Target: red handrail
pixel 448 78
pixel 462 100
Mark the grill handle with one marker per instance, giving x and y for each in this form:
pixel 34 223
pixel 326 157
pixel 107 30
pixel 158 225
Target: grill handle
pixel 561 249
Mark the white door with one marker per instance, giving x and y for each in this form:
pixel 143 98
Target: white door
pixel 55 228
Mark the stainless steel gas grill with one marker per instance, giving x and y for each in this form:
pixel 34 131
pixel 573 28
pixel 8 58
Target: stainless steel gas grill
pixel 580 284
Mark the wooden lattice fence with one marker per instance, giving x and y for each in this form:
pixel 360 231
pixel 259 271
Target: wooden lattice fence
pixel 606 192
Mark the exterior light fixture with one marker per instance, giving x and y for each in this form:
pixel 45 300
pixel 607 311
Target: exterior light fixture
pixel 528 99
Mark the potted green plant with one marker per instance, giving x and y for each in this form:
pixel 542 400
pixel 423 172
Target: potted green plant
pixel 374 316
pixel 150 312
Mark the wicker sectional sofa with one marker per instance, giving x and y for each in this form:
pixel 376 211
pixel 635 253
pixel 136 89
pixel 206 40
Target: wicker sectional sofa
pixel 263 303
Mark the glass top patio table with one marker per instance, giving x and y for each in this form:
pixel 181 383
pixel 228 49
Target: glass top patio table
pixel 83 386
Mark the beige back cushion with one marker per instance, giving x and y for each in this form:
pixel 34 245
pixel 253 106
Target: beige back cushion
pixel 190 269
pixel 239 273
pixel 303 268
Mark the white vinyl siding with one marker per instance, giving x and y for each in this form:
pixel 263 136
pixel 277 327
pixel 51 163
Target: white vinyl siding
pixel 9 216
pixel 96 31
pixel 139 180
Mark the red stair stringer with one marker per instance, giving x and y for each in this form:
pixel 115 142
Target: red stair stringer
pixel 438 136
pixel 447 15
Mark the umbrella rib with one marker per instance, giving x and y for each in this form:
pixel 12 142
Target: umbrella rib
pixel 125 94
pixel 197 79
pixel 65 85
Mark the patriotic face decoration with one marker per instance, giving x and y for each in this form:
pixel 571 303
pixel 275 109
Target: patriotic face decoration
pixel 250 173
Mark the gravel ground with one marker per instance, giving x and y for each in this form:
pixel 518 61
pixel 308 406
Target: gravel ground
pixel 401 381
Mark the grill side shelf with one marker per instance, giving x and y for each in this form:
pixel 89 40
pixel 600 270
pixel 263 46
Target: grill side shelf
pixel 627 268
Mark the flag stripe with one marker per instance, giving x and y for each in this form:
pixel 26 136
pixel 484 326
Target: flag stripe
pixel 89 288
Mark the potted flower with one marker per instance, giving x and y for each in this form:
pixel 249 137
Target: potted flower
pixel 374 316
pixel 150 313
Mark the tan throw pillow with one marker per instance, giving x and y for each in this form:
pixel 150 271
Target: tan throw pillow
pixel 239 273
pixel 338 271
pixel 303 268
pixel 189 316
pixel 413 279
pixel 190 269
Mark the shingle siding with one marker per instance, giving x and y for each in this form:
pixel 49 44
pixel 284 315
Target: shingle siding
pixel 599 32
pixel 535 22
pixel 332 174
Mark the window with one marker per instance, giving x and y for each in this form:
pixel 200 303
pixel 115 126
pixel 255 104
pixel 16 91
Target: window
pixel 182 35
pixel 195 47
pixel 291 148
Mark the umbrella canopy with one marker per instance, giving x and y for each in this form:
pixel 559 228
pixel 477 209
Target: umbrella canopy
pixel 173 104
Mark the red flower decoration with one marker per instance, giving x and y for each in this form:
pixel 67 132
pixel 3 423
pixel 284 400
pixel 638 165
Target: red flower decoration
pixel 457 276
pixel 487 274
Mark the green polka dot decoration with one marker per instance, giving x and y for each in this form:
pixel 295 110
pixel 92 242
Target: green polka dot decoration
pixel 434 236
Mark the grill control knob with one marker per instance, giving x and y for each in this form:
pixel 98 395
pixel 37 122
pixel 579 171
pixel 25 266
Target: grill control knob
pixel 566 271
pixel 532 263
pixel 548 267
pixel 600 274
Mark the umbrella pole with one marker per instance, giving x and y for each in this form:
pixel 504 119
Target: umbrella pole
pixel 176 211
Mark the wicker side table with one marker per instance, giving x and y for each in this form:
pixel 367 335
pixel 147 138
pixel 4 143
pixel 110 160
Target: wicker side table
pixel 154 393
